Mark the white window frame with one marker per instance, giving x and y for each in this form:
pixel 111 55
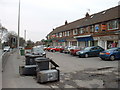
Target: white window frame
pixel 98 27
pixel 81 30
pixel 60 34
pixel 113 22
pixel 75 32
pixel 68 33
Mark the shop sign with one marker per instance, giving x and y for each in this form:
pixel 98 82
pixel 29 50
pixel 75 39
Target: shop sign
pixel 113 37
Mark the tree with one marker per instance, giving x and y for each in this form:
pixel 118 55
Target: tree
pixel 30 44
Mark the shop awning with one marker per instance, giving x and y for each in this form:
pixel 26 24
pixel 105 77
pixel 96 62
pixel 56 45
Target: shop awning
pixel 62 40
pixel 90 38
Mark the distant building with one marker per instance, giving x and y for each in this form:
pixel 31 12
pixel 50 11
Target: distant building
pixel 97 29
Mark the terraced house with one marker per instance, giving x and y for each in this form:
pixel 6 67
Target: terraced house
pixel 101 29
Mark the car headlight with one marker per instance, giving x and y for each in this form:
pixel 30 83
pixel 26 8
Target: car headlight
pixel 43 53
pixel 81 52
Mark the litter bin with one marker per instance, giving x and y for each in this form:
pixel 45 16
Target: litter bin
pixel 42 64
pixel 30 59
pixel 22 52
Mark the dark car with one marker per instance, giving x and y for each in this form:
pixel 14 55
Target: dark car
pixel 112 54
pixel 90 51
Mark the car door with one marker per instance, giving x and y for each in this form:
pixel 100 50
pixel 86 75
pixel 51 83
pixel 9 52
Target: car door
pixel 118 53
pixel 93 51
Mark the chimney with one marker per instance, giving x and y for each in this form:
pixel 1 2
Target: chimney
pixel 87 15
pixel 66 22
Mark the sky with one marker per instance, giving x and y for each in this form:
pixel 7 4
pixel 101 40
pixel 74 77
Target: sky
pixel 39 17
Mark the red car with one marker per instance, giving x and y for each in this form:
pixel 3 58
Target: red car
pixel 57 49
pixel 49 48
pixel 74 50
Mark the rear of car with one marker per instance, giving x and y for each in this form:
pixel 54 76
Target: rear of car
pixel 6 49
pixel 74 50
pixel 110 54
pixel 39 51
pixel 67 50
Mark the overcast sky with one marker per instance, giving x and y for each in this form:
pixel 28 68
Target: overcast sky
pixel 39 17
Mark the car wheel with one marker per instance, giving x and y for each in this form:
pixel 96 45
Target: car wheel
pixel 103 58
pixel 53 50
pixel 86 55
pixel 112 57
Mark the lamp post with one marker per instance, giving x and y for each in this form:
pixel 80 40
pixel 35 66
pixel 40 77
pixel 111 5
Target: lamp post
pixel 18 41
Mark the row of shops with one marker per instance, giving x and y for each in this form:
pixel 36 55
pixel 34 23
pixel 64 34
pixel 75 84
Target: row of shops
pixel 104 41
pixel 93 30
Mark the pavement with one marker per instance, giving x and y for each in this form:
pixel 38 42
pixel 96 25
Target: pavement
pixel 0 68
pixel 74 73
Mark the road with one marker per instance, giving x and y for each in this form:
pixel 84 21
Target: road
pixel 74 73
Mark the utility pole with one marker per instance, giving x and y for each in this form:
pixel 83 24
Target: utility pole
pixel 18 26
pixel 25 35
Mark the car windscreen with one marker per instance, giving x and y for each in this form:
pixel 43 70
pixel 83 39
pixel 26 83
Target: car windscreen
pixel 87 48
pixel 112 49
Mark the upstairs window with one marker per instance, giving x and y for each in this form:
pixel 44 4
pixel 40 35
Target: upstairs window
pixel 75 32
pixel 103 27
pixel 97 28
pixel 113 25
pixel 60 34
pixel 87 29
pixel 68 33
pixel 81 30
pixel 57 35
pixel 92 28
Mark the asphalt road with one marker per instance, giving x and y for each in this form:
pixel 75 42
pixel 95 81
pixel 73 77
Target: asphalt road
pixel 74 73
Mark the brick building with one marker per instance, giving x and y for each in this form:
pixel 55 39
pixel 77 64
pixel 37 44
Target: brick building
pixel 101 29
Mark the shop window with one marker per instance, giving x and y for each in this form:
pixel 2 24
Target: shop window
pixel 97 28
pixel 113 25
pixel 75 32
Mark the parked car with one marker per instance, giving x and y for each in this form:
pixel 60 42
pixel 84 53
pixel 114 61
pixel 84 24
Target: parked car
pixel 57 49
pixel 49 48
pixel 90 51
pixel 38 51
pixel 112 54
pixel 67 50
pixel 6 49
pixel 74 50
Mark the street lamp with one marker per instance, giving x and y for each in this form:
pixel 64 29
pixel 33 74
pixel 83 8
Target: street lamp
pixel 18 41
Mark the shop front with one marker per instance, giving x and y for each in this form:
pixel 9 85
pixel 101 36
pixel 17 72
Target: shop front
pixel 72 42
pixel 85 40
pixel 107 41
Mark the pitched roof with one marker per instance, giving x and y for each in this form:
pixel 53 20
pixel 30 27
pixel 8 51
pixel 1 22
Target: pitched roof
pixel 105 15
